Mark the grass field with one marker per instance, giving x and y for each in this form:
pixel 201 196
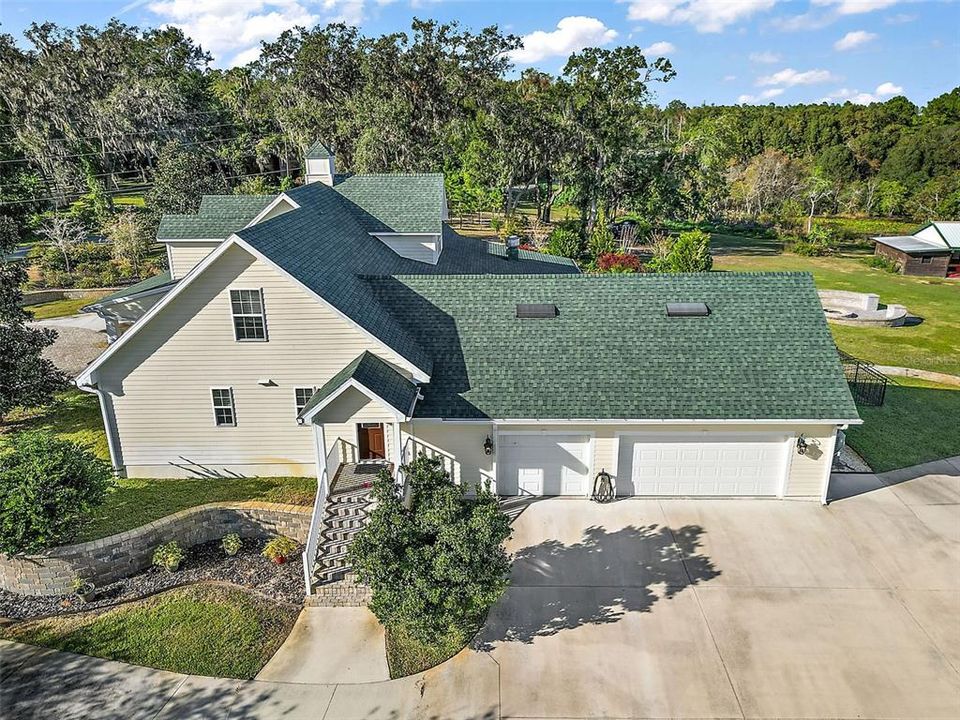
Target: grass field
pixel 199 630
pixel 934 344
pixel 74 416
pixel 61 308
pixel 918 422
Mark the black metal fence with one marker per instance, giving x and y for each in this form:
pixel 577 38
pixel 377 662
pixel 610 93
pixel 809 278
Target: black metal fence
pixel 867 384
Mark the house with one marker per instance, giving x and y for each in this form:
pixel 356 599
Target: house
pixel 343 321
pixel 932 251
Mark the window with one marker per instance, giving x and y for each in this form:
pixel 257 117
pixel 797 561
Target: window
pixel 223 412
pixel 925 259
pixel 303 395
pixel 248 319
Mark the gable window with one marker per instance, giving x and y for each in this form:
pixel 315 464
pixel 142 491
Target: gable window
pixel 303 395
pixel 925 259
pixel 223 410
pixel 249 322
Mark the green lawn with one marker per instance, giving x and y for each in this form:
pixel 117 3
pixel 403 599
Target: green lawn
pixel 61 308
pixel 199 630
pixel 934 344
pixel 133 502
pixel 407 656
pixel 918 422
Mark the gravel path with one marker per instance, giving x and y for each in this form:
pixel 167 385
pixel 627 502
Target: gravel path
pixel 75 347
pixel 202 562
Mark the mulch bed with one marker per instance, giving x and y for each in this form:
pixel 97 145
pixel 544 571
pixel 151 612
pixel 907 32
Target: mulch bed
pixel 206 562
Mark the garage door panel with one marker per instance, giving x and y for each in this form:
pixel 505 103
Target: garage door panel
pixel 543 465
pixel 744 465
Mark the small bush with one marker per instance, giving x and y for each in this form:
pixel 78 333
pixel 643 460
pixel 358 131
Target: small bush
pixel 820 242
pixel 168 556
pixel 231 543
pixel 279 549
pixel 565 243
pixel 48 489
pixel 879 262
pixel 618 263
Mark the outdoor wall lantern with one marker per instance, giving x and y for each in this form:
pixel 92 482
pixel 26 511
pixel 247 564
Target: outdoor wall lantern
pixel 801 445
pixel 488 446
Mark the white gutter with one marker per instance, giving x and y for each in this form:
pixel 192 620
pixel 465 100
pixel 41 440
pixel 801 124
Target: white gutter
pixel 107 425
pixel 649 421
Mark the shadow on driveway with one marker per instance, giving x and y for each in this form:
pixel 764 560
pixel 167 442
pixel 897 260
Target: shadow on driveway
pixel 608 573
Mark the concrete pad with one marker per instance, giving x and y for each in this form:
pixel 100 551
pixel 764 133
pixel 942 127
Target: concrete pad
pixel 771 543
pixel 606 652
pixel 848 485
pixel 935 489
pixel 331 645
pixel 938 613
pixel 201 698
pixel 805 653
pixel 934 468
pixel 907 551
pixel 13 655
pixel 466 687
pixel 280 701
pixel 942 520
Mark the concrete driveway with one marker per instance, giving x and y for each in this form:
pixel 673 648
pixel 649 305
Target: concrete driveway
pixel 730 608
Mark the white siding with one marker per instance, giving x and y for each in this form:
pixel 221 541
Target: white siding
pixel 160 381
pixel 459 445
pixel 185 256
pixel 423 248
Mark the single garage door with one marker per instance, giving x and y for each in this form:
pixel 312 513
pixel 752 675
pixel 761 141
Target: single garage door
pixel 734 465
pixel 543 464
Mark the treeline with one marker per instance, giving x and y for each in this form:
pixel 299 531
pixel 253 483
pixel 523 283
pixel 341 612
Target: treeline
pixel 90 114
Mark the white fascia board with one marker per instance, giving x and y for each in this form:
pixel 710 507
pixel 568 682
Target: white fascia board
pixel 352 383
pixel 86 377
pixel 405 234
pixel 282 197
pixel 418 374
pixel 189 240
pixel 93 307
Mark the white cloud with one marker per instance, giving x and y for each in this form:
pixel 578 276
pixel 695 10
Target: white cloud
pixel 768 94
pixel 855 7
pixel 704 15
pixel 791 77
pixel 232 31
pixel 899 19
pixel 765 57
pixel 659 49
pixel 729 78
pixel 853 39
pixel 573 34
pixel 883 91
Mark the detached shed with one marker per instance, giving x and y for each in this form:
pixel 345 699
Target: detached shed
pixel 932 251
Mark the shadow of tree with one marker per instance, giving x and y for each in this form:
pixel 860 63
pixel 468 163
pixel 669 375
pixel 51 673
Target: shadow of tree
pixel 596 580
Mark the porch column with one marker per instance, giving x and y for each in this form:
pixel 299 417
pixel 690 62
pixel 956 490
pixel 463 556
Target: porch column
pixel 397 447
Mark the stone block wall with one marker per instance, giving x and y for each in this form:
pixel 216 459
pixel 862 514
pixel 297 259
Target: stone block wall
pixel 36 297
pixel 118 556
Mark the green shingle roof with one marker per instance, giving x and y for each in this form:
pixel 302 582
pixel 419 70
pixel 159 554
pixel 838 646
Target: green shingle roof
pixel 318 151
pixel 764 352
pixel 395 203
pixel 218 217
pixel 376 376
pixel 152 283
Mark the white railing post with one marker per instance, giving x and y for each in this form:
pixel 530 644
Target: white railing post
pixel 324 463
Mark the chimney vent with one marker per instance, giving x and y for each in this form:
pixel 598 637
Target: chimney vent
pixel 513 247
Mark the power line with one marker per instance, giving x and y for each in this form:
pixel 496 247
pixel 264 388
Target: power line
pixel 112 152
pixel 138 188
pixel 134 134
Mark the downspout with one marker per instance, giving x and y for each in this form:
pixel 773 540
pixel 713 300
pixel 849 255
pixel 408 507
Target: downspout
pixel 107 425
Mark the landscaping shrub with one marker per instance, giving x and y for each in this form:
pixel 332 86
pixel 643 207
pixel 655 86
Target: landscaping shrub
pixel 688 253
pixel 279 549
pixel 436 563
pixel 601 240
pixel 618 263
pixel 879 262
pixel 48 489
pixel 168 556
pixel 565 242
pixel 820 242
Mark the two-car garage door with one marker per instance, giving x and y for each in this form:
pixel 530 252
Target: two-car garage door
pixel 692 464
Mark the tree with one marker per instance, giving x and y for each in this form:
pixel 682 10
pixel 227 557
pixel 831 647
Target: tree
pixel 63 232
pixel 131 239
pixel 26 378
pixel 816 189
pixel 690 253
pixel 601 241
pixel 436 563
pixel 183 176
pixel 48 488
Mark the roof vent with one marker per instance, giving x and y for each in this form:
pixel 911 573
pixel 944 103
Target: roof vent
pixel 687 309
pixel 537 310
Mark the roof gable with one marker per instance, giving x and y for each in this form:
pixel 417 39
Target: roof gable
pixel 373 374
pixel 395 203
pixel 764 352
pixel 217 218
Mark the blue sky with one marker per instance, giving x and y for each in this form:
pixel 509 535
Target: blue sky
pixel 724 51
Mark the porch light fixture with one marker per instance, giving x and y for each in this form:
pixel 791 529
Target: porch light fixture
pixel 801 445
pixel 488 446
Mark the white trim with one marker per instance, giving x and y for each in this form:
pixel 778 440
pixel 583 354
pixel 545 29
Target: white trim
pixel 791 449
pixel 298 410
pixel 662 421
pixel 190 240
pixel 282 197
pixel 86 377
pixel 352 382
pixel 233 406
pixel 591 440
pixel 173 275
pixel 262 314
pixel 832 445
pixel 107 425
pixel 127 298
pixel 405 234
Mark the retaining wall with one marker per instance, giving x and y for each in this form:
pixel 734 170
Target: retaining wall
pixel 118 556
pixel 36 297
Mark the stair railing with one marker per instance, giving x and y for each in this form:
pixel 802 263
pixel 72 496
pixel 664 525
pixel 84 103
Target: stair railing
pixel 333 460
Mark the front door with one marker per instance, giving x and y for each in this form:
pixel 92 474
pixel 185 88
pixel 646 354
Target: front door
pixel 370 441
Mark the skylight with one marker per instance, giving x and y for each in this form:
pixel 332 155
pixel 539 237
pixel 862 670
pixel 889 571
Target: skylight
pixel 537 310
pixel 687 309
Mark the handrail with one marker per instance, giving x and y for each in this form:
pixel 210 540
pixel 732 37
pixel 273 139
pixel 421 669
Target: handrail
pixel 333 460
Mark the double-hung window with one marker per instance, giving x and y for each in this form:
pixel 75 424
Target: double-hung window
pixel 224 414
pixel 303 395
pixel 249 322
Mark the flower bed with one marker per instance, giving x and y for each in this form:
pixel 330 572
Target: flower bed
pixel 205 562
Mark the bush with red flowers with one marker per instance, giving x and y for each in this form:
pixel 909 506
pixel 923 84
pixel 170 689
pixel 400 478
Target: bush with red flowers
pixel 618 263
